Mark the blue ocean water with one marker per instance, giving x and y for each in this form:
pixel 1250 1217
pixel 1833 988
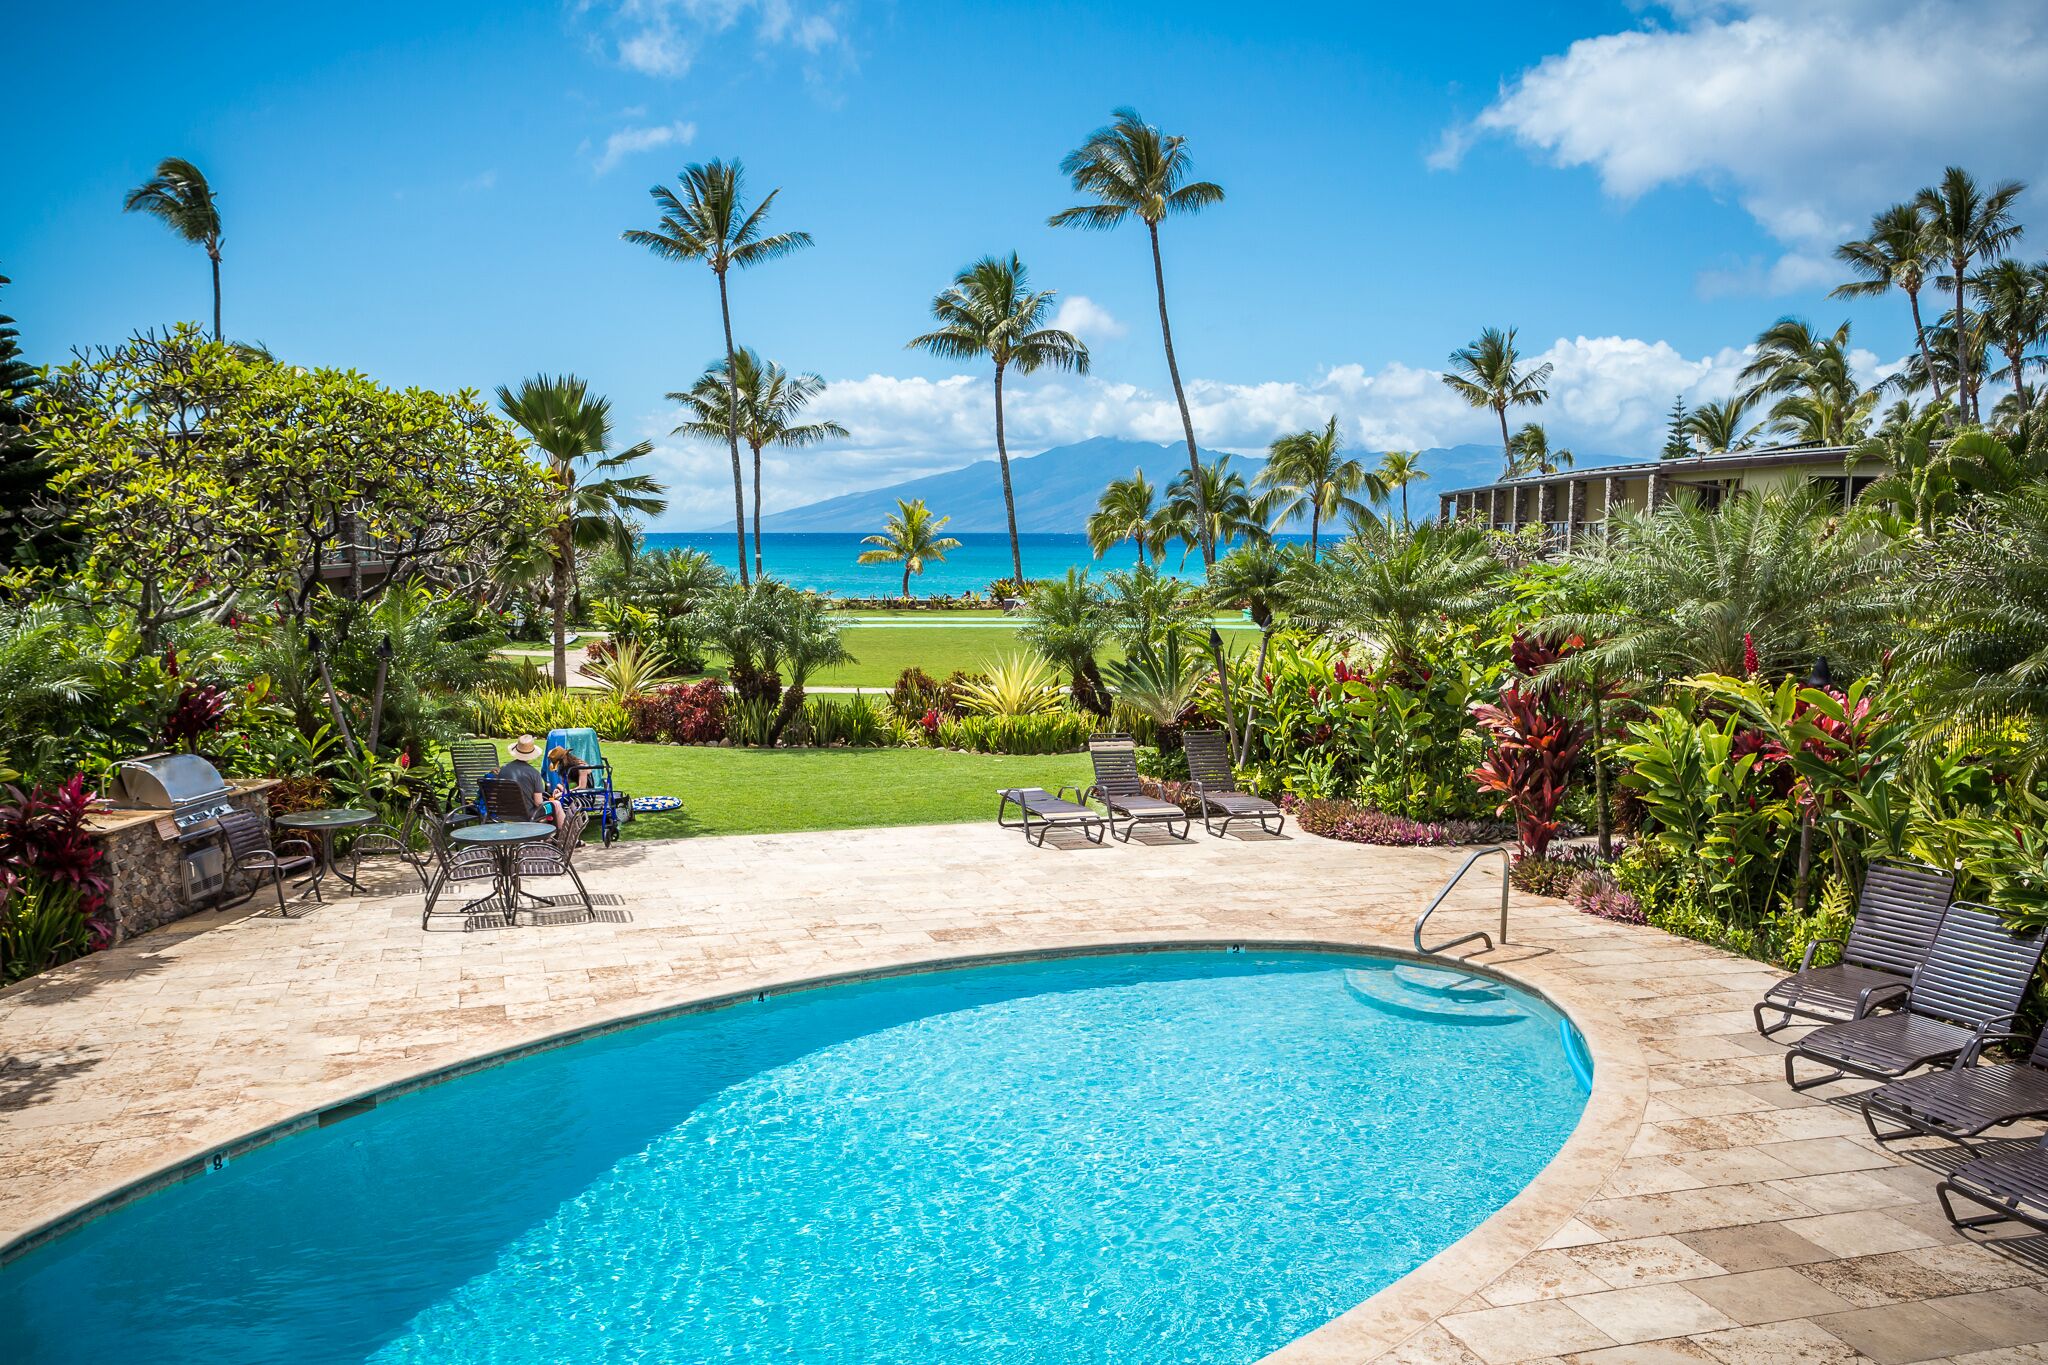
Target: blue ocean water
pixel 1167 1157
pixel 828 561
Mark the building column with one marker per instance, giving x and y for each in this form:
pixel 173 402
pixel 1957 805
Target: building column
pixel 1546 504
pixel 1574 510
pixel 1660 489
pixel 1514 493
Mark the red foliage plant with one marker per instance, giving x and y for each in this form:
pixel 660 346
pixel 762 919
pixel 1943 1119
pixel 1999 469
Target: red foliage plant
pixel 1530 762
pixel 42 834
pixel 685 713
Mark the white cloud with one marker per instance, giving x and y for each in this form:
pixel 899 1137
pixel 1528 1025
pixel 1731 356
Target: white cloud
pixel 482 180
pixel 632 141
pixel 1608 395
pixel 1087 319
pixel 1813 114
pixel 666 37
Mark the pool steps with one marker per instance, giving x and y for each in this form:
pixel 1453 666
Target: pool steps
pixel 1434 995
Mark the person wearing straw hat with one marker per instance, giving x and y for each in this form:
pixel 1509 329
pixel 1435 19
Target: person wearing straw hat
pixel 519 770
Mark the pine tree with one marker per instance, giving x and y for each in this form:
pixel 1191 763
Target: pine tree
pixel 1677 444
pixel 23 473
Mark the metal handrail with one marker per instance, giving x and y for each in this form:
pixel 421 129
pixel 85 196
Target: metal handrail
pixel 1481 935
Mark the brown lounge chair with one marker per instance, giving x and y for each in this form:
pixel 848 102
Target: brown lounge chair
pixel 1964 1102
pixel 1216 785
pixel 1122 792
pixel 1041 811
pixel 2015 1187
pixel 1896 916
pixel 1965 994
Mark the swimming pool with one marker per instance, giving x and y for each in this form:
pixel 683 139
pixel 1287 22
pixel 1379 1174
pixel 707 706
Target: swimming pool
pixel 1139 1157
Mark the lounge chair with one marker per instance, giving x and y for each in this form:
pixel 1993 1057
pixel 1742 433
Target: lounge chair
pixel 2015 1186
pixel 1964 1102
pixel 1965 994
pixel 1896 916
pixel 1122 792
pixel 1042 811
pixel 1216 785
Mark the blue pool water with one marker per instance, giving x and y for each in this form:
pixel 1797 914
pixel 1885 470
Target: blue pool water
pixel 1161 1157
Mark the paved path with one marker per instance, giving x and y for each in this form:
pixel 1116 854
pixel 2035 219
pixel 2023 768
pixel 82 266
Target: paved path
pixel 1703 1212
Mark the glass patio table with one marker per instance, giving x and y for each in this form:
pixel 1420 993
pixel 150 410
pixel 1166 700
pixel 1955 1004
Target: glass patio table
pixel 503 838
pixel 321 825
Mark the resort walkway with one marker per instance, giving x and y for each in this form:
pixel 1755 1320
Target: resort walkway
pixel 1703 1212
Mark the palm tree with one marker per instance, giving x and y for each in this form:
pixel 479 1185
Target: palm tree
pixel 1532 452
pixel 594 495
pixel 1308 472
pixel 2013 302
pixel 910 538
pixel 710 222
pixel 1397 589
pixel 770 400
pixel 988 310
pixel 1211 508
pixel 1965 224
pixel 807 639
pixel 1717 427
pixel 1398 469
pixel 1815 384
pixel 1488 374
pixel 1129 167
pixel 1896 255
pixel 1069 624
pixel 179 195
pixel 1125 511
pixel 1261 580
pixel 1145 604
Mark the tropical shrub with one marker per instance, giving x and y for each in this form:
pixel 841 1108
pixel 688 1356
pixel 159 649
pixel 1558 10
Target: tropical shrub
pixel 855 721
pixel 1048 732
pixel 492 712
pixel 1552 874
pixel 1357 823
pixel 915 693
pixel 631 669
pixel 682 713
pixel 751 721
pixel 51 888
pixel 1018 685
pixel 1597 893
pixel 1529 761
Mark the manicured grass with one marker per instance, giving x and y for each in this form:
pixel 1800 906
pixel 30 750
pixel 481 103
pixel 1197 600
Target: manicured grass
pixel 768 791
pixel 882 652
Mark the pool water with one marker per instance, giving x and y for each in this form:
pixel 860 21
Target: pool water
pixel 1158 1157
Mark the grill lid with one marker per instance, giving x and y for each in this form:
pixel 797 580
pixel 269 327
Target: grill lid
pixel 166 781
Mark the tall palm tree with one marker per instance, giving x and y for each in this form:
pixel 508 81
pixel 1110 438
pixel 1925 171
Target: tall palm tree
pixel 989 310
pixel 1896 255
pixel 1532 452
pixel 1812 379
pixel 911 538
pixel 179 196
pixel 1965 224
pixel 1398 469
pixel 1261 580
pixel 1308 472
pixel 1126 512
pixel 595 497
pixel 1069 624
pixel 770 400
pixel 1128 167
pixel 1488 374
pixel 710 222
pixel 1212 507
pixel 2013 301
pixel 1717 427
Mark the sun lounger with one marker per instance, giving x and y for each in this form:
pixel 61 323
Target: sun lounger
pixel 2015 1187
pixel 1896 916
pixel 1122 792
pixel 1040 811
pixel 1209 771
pixel 1965 994
pixel 1963 1102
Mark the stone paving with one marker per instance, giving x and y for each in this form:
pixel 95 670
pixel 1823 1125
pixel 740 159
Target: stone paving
pixel 1704 1212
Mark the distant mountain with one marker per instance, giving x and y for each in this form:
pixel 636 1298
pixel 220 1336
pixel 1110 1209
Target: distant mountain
pixel 1057 489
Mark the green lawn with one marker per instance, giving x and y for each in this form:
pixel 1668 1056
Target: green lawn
pixel 767 791
pixel 882 652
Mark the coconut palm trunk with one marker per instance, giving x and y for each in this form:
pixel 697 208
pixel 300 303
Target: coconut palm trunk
pixel 565 562
pixel 1187 423
pixel 213 254
pixel 757 509
pixel 1507 445
pixel 732 431
pixel 1315 528
pixel 1009 498
pixel 1926 356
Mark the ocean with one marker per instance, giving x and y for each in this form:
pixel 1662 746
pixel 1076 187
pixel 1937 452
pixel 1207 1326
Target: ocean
pixel 827 561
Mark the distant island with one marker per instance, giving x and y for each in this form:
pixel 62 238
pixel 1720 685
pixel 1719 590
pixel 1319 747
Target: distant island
pixel 1057 488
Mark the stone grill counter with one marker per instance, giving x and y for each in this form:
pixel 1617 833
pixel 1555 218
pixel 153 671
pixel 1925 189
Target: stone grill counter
pixel 145 869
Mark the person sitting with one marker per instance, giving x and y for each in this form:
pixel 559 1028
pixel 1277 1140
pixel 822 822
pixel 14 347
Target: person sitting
pixel 568 770
pixel 519 771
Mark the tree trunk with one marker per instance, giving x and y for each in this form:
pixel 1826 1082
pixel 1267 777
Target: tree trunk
pixel 792 702
pixel 757 509
pixel 1966 393
pixel 906 578
pixel 732 431
pixel 1405 523
pixel 1187 423
pixel 1920 339
pixel 1097 688
pixel 213 254
pixel 1507 449
pixel 565 570
pixel 2019 384
pixel 1315 528
pixel 1009 499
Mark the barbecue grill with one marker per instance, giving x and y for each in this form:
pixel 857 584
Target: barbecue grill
pixel 191 792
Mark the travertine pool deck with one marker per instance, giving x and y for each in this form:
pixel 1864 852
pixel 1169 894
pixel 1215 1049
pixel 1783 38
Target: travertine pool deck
pixel 1703 1212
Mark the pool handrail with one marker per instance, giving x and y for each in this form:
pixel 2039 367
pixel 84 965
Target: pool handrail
pixel 1479 935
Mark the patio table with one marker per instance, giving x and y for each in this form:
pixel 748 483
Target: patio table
pixel 503 838
pixel 321 826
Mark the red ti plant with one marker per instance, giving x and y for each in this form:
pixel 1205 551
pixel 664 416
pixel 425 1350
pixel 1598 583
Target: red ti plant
pixel 1529 763
pixel 42 834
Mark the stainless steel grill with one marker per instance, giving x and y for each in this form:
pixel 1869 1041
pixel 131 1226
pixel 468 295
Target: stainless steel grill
pixel 185 786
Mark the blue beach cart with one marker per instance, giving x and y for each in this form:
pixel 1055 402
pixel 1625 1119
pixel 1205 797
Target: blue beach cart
pixel 601 801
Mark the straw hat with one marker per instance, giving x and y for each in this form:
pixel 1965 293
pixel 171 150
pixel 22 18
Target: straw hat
pixel 525 747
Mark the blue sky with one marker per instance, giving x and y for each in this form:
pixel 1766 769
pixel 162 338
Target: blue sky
pixel 433 194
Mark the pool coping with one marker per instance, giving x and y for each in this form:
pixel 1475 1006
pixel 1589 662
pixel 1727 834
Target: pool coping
pixel 1597 1144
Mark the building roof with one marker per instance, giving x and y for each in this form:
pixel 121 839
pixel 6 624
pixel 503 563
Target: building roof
pixel 1718 465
